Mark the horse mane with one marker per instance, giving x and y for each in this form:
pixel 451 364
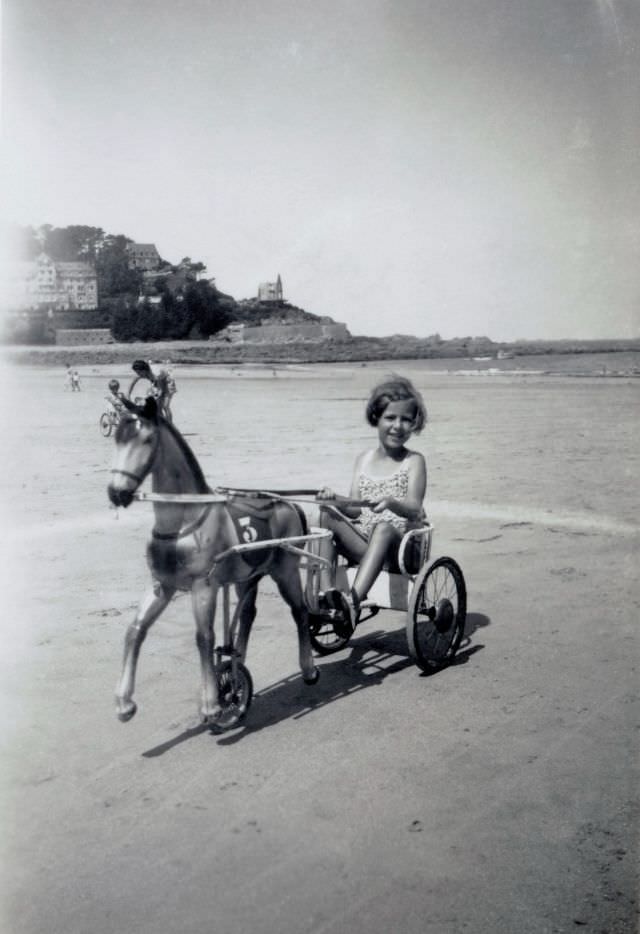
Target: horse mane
pixel 188 453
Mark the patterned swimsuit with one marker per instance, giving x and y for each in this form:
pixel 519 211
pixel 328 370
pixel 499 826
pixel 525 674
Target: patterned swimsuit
pixel 395 485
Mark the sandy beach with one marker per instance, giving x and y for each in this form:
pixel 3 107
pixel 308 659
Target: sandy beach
pixel 497 795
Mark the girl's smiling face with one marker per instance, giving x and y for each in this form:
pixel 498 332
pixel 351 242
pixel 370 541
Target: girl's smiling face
pixel 396 423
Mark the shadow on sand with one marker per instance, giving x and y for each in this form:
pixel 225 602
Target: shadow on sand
pixel 370 660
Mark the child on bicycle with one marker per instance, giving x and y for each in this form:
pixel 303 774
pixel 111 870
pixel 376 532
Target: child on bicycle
pixel 114 397
pixel 392 479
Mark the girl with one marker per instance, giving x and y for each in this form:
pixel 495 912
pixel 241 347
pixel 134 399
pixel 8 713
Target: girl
pixel 393 481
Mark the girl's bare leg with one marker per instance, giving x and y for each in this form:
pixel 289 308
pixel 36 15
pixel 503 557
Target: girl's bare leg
pixel 348 540
pixel 384 540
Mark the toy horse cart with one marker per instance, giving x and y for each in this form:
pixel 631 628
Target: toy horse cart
pixel 432 594
pixel 205 541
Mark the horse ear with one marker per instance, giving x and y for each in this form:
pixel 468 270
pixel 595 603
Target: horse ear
pixel 150 409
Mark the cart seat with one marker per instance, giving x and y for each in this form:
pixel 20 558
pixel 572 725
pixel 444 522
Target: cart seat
pixel 391 589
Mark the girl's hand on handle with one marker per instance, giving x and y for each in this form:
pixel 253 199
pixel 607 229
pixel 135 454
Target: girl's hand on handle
pixel 402 508
pixel 325 493
pixel 386 503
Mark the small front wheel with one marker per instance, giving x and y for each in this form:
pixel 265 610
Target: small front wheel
pixel 235 691
pixel 106 424
pixel 324 639
pixel 436 615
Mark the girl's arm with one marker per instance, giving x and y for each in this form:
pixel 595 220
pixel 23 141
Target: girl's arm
pixel 410 508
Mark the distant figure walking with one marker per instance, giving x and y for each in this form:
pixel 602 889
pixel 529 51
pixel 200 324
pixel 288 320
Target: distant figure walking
pixel 68 379
pixel 143 382
pixel 166 388
pixel 161 387
pixel 75 381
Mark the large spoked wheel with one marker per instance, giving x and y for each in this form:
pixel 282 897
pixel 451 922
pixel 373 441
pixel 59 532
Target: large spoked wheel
pixel 234 694
pixel 436 614
pixel 106 425
pixel 141 388
pixel 324 638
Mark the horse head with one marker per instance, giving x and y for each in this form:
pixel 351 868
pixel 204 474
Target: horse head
pixel 136 441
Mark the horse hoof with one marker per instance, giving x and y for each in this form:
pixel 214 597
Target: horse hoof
pixel 315 677
pixel 127 711
pixel 211 717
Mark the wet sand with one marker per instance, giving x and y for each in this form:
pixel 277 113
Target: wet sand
pixel 498 795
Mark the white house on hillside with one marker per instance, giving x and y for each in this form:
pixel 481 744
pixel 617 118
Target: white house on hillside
pixel 270 291
pixel 143 255
pixel 60 285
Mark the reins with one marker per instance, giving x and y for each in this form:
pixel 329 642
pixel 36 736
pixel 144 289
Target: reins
pixel 295 496
pixel 258 492
pixel 180 498
pixel 222 494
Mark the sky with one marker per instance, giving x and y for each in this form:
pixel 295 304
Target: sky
pixel 461 167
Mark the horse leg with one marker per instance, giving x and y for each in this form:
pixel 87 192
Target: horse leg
pixel 203 597
pixel 151 606
pixel 246 593
pixel 287 576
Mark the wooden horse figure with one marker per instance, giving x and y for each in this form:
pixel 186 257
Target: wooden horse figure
pixel 186 540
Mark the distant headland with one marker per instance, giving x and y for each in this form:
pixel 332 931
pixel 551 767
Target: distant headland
pixel 81 295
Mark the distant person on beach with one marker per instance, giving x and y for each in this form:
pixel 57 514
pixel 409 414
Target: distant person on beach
pixel 68 378
pixel 163 386
pixel 164 391
pixel 142 371
pixel 171 388
pixel 392 479
pixel 75 381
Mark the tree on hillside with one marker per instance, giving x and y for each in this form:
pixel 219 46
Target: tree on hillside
pixel 68 244
pixel 148 322
pixel 124 321
pixel 187 263
pixel 176 317
pixel 112 268
pixel 203 305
